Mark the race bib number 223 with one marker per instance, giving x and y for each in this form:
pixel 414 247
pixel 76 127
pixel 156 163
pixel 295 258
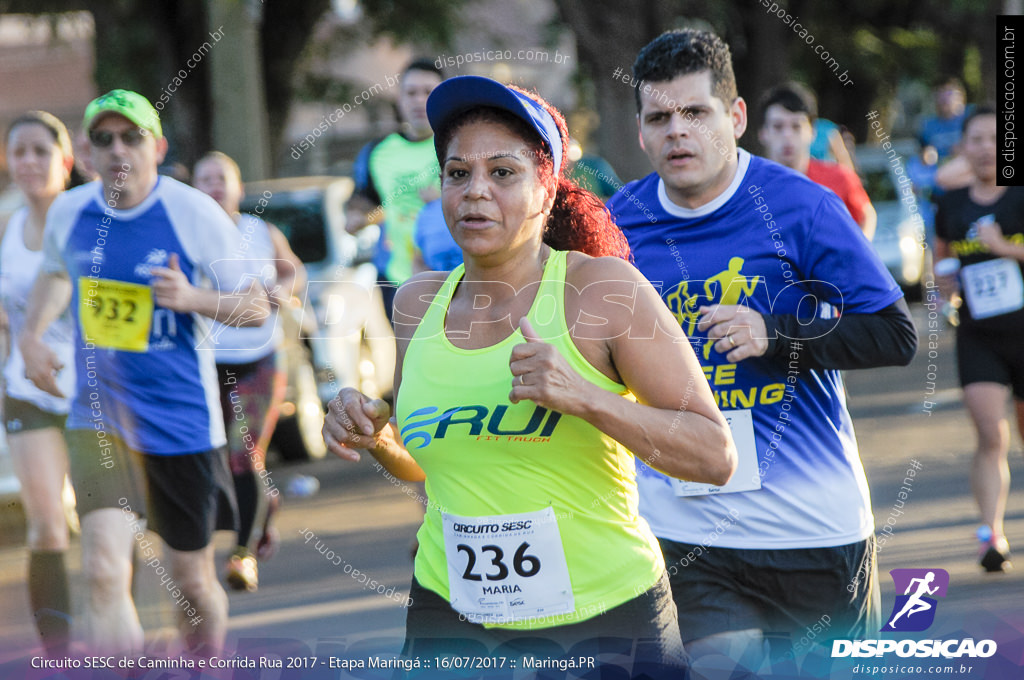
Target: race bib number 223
pixel 993 287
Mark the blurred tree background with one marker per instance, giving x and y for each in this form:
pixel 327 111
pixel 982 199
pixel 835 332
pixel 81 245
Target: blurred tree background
pixel 142 44
pixel 893 50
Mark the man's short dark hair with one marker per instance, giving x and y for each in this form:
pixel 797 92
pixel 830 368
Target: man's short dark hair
pixel 949 81
pixel 791 96
pixel 422 64
pixel 682 52
pixel 979 110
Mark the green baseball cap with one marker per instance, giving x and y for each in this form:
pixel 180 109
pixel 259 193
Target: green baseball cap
pixel 131 105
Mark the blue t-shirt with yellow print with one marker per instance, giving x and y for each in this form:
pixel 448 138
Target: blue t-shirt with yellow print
pixel 781 244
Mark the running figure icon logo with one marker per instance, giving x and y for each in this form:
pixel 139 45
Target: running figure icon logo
pixel 914 610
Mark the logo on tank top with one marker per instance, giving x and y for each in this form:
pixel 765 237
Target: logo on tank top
pixel 483 422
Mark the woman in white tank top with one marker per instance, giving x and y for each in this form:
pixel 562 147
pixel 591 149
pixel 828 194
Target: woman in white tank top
pixel 40 159
pixel 252 386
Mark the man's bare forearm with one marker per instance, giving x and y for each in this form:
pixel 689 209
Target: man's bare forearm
pixel 48 299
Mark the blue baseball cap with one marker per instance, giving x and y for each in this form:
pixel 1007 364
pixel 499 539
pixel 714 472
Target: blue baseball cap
pixel 462 93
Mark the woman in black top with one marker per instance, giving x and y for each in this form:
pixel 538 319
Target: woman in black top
pixel 983 226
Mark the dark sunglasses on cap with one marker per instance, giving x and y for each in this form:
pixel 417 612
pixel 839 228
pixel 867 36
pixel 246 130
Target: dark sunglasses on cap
pixel 104 138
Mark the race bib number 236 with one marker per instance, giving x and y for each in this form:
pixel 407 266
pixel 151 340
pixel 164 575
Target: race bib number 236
pixel 505 568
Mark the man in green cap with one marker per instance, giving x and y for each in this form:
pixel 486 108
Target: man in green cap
pixel 145 263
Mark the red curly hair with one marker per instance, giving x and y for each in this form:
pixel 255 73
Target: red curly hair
pixel 579 219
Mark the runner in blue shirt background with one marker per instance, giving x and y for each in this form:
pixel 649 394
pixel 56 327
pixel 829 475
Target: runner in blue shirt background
pixel 145 262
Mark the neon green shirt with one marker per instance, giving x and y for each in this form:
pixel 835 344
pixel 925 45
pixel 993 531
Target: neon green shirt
pixel 400 169
pixel 484 456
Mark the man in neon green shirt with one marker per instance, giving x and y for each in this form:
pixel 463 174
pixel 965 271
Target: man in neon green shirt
pixel 395 177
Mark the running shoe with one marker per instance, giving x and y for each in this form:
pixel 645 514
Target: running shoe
pixel 995 560
pixel 243 573
pixel 994 554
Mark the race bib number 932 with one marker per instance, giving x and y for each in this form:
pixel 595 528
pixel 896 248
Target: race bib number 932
pixel 115 314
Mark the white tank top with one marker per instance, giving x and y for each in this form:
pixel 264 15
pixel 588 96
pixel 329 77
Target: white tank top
pixel 245 345
pixel 18 269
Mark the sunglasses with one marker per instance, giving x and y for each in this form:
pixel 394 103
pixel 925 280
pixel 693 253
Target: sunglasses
pixel 104 138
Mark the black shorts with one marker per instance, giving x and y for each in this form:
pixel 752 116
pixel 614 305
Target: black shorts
pixel 23 416
pixel 185 498
pixel 984 356
pixel 639 636
pixel 783 593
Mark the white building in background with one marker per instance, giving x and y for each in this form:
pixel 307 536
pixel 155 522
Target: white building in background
pixel 46 62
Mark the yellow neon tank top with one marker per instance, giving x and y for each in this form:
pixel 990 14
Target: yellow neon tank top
pixel 484 456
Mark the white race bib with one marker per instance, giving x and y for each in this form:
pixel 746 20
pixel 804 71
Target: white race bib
pixel 993 287
pixel 506 568
pixel 746 477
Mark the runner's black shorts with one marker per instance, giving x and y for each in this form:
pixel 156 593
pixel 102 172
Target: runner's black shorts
pixel 185 498
pixel 783 593
pixel 23 416
pixel 640 633
pixel 987 356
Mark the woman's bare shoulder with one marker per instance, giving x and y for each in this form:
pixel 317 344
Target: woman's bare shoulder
pixel 413 299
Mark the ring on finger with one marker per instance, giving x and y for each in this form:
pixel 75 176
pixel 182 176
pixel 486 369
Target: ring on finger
pixel 732 342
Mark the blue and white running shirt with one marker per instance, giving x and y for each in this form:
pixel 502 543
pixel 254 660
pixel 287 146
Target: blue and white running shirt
pixel 139 373
pixel 781 244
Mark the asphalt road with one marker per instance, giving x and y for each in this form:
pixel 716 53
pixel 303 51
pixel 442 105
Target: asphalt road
pixel 310 603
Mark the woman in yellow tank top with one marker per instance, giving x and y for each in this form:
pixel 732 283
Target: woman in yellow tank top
pixel 527 381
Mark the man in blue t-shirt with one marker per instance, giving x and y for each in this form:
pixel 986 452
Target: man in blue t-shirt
pixel 145 262
pixel 942 131
pixel 757 262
